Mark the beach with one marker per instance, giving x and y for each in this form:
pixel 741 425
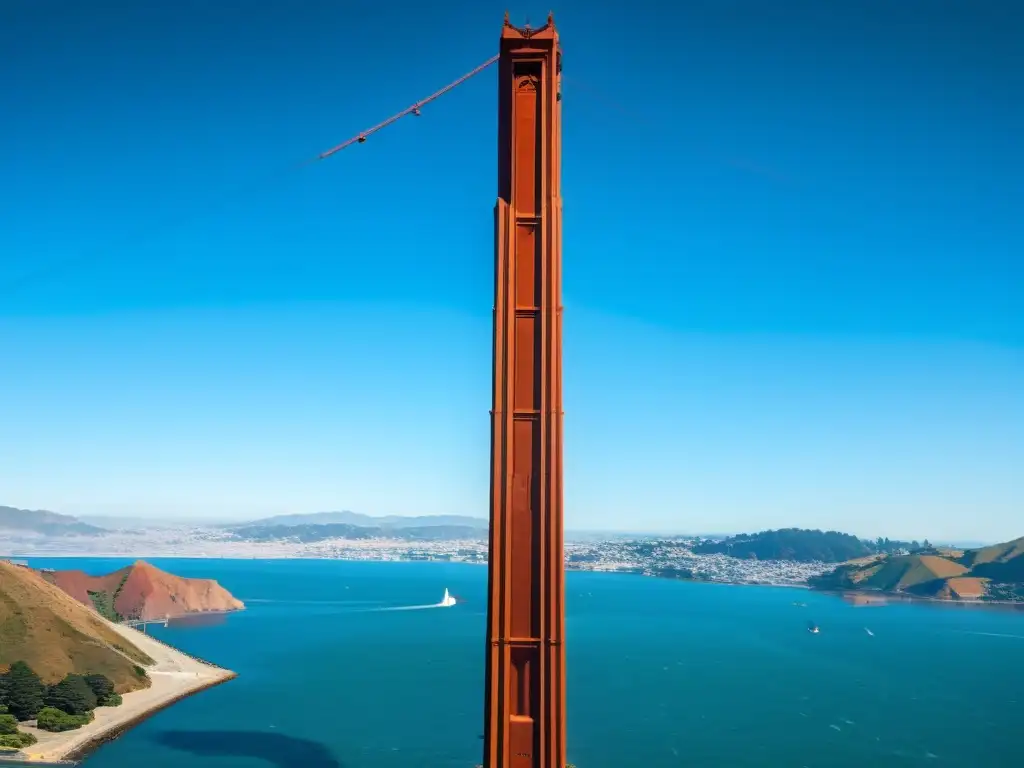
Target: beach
pixel 174 675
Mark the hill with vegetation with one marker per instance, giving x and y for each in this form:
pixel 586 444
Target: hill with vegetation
pixel 55 635
pixel 804 545
pixel 143 591
pixel 42 523
pixel 987 573
pixel 788 544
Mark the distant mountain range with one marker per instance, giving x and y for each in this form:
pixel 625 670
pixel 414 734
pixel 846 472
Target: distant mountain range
pixel 783 544
pixel 367 521
pixel 43 523
pixel 314 527
pixel 132 523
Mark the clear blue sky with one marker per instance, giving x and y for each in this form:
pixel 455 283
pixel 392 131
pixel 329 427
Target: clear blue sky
pixel 793 274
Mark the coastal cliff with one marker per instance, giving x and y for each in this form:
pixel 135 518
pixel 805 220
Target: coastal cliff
pixel 143 591
pixel 57 636
pixel 70 679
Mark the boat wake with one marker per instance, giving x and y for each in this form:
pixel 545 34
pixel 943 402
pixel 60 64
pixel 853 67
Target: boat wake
pixel 312 602
pixel 446 602
pixel 410 607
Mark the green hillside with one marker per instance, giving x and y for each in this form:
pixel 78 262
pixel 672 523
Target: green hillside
pixel 789 544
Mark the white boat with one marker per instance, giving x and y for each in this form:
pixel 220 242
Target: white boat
pixel 447 601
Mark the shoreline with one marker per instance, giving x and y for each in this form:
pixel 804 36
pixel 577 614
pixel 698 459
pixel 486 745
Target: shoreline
pixel 906 597
pixel 115 730
pixel 174 675
pixel 882 596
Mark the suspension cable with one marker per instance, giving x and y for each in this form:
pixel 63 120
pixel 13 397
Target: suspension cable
pixel 176 221
pixel 359 138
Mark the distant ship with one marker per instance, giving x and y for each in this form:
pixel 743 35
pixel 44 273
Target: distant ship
pixel 813 628
pixel 869 631
pixel 447 601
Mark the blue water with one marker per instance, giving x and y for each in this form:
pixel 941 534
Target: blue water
pixel 661 673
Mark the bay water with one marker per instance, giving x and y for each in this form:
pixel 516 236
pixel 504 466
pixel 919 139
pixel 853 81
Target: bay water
pixel 660 673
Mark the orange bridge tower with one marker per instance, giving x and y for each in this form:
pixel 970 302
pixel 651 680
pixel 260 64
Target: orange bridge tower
pixel 524 720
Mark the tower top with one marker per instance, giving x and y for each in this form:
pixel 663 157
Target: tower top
pixel 526 32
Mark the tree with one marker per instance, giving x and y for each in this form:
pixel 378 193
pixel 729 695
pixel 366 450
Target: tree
pixel 25 691
pixel 51 719
pixel 17 740
pixel 8 725
pixel 72 695
pixel 101 685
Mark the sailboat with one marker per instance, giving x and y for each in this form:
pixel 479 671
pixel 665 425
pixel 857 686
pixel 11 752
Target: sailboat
pixel 447 601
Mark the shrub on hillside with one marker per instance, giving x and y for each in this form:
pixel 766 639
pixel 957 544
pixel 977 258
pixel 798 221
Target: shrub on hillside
pixel 17 740
pixel 71 695
pixel 54 720
pixel 8 725
pixel 101 685
pixel 25 691
pixel 110 700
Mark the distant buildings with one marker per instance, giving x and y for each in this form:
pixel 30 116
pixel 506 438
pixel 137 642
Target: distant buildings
pixel 668 557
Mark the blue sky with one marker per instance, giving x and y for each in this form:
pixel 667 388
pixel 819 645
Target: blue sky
pixel 792 274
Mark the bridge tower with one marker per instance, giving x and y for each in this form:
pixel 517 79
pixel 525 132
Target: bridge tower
pixel 524 721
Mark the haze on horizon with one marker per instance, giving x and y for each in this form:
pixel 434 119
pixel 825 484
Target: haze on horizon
pixel 792 273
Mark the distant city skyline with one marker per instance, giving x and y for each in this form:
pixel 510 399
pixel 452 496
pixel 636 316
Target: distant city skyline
pixel 792 282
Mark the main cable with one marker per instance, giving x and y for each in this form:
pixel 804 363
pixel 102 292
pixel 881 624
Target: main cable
pixel 413 110
pixel 176 221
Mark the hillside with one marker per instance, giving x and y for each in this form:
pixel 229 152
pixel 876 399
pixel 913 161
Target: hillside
pixel 1000 562
pixel 367 521
pixel 55 635
pixel 988 573
pixel 143 591
pixel 796 544
pixel 43 523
